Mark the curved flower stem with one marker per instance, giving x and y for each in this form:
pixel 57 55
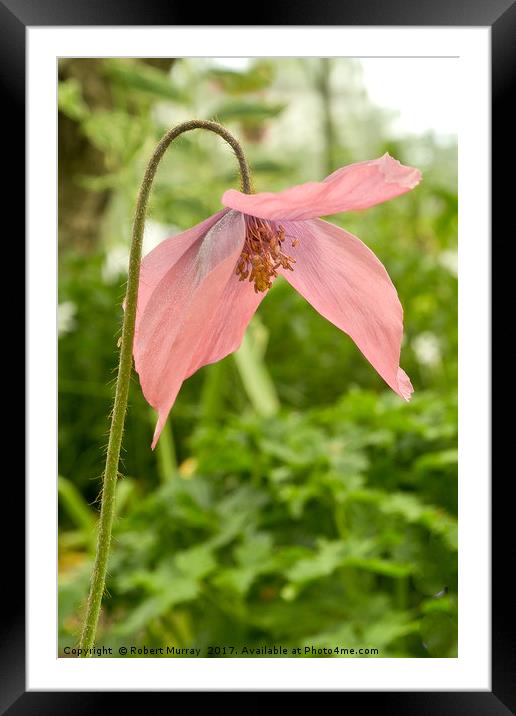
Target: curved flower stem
pixel 98 578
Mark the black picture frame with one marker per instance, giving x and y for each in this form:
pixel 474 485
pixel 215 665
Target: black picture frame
pixel 500 16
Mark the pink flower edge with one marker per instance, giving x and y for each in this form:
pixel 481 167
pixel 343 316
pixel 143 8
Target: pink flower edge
pixel 351 188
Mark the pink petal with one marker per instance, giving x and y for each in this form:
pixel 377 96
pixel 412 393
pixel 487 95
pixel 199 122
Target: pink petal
pixel 357 186
pixel 160 260
pixel 347 284
pixel 224 334
pixel 195 313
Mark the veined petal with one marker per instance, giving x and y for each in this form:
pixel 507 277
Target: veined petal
pixel 160 260
pixel 356 186
pixel 179 328
pixel 348 285
pixel 225 331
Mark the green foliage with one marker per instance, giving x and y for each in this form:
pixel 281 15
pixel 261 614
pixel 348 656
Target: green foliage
pixel 132 76
pixel 292 498
pixel 232 82
pixel 70 100
pixel 255 112
pixel 276 534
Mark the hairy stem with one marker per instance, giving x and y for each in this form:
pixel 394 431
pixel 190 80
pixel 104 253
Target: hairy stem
pixel 98 578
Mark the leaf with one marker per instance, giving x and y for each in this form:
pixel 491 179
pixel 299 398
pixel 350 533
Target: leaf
pixel 320 564
pixel 271 166
pixel 181 590
pixel 255 377
pixel 139 77
pixel 236 511
pixel 77 508
pixel 436 460
pixel 255 549
pixel 125 489
pixel 236 579
pixel 247 110
pixel 392 626
pixel 386 567
pixel 116 133
pixel 70 100
pixel 257 77
pixel 196 562
pixel 439 635
pixel 165 451
pixel 413 510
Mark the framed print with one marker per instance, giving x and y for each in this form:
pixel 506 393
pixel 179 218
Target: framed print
pixel 258 354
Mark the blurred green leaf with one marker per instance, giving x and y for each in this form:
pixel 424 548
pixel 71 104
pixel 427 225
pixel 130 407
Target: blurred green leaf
pixel 134 76
pixel 77 508
pixel 247 110
pixel 257 77
pixel 196 562
pixel 70 100
pixel 116 133
pixel 438 634
pixel 255 377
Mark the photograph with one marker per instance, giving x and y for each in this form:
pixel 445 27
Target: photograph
pixel 258 357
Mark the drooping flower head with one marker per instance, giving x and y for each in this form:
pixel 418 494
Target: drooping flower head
pixel 199 289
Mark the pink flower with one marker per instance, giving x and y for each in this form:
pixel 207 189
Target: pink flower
pixel 198 290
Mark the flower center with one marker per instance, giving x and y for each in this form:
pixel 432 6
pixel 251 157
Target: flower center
pixel 262 254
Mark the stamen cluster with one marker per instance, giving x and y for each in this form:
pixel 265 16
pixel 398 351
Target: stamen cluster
pixel 262 254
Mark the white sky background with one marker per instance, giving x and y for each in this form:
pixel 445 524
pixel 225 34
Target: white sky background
pixel 421 90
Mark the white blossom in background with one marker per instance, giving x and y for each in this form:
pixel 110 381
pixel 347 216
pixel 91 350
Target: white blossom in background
pixel 115 263
pixel 155 233
pixel 427 348
pixel 66 312
pixel 450 261
pixel 116 260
